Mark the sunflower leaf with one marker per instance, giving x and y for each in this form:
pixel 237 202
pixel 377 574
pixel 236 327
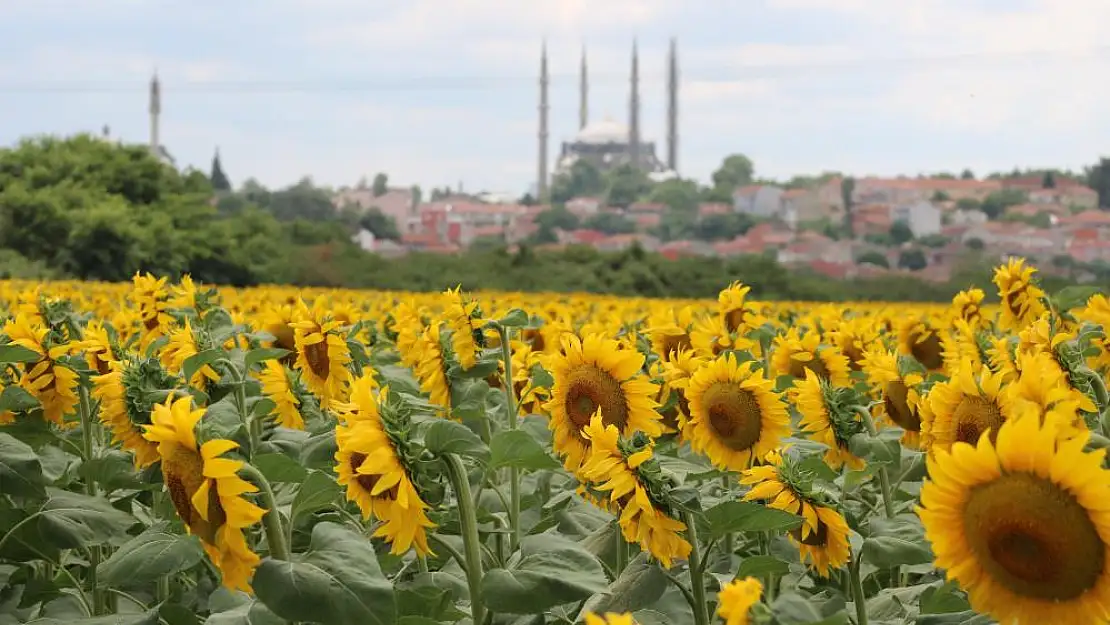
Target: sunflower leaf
pixel 517 448
pixel 197 361
pixel 744 516
pixel 256 356
pixel 71 520
pixel 148 556
pixel 451 437
pixel 640 585
pixel 338 581
pixel 11 353
pixel 897 542
pixel 20 468
pixel 317 492
pixel 139 618
pixel 544 579
pixel 515 318
pixel 15 399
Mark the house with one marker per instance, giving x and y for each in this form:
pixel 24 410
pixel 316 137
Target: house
pixel 799 205
pixel 684 247
pixel 1076 195
pixel 966 217
pixel 621 242
pixel 397 204
pixel 706 209
pixel 584 207
pixel 922 216
pixel 907 190
pixel 872 219
pixel 762 201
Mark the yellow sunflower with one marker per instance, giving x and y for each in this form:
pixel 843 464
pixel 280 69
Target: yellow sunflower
pixel 111 389
pixel 669 334
pixel 854 337
pixel 278 389
pixel 98 347
pixel 206 490
pixel 1022 524
pixel 676 374
pixel 732 308
pixel 796 353
pixel 964 407
pixel 431 367
pixel 735 414
pixel 897 390
pixel 609 618
pixel 150 296
pixel 919 340
pixel 967 306
pixel 322 358
pixel 369 467
pixel 736 600
pixel 1021 297
pixel 1043 386
pixel 278 321
pixel 822 538
pixel 641 520
pixel 182 345
pixel 49 381
pixel 826 422
pixel 597 374
pixel 460 315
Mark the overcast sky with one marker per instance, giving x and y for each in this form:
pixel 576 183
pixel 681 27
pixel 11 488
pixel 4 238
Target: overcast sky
pixel 438 91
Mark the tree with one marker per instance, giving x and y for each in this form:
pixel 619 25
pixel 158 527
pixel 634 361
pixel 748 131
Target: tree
pixel 934 240
pixel 900 232
pixel 914 260
pixel 871 257
pixel 996 203
pixel 940 196
pixel 847 190
pixel 383 226
pixel 968 204
pixel 583 179
pixel 380 186
pixel 974 243
pixel 677 194
pixel 218 178
pixel 735 171
pixel 1098 178
pixel 610 223
pixel 676 225
pixel 723 226
pixel 557 217
pixel 967 174
pixel 1049 181
pixel 626 185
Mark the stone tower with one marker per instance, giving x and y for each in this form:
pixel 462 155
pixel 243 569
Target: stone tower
pixel 541 165
pixel 583 93
pixel 155 113
pixel 672 107
pixel 634 110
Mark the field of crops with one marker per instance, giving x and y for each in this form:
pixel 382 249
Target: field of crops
pixel 179 454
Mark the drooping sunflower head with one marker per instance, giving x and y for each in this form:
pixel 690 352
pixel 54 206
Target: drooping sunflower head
pixel 150 296
pixel 465 321
pixel 278 320
pixel 737 599
pixel 967 306
pixel 597 374
pixel 371 463
pixel 676 374
pixel 125 402
pixel 322 357
pixel 896 383
pixel 1022 300
pixel 735 414
pixel 733 309
pixel 965 407
pixel 830 416
pixel 100 346
pixel 796 353
pixel 1043 387
pixel 854 337
pixel 205 488
pixel 1021 524
pixel 431 369
pixel 917 338
pixel 278 385
pixel 960 346
pixel 183 344
pixel 1097 312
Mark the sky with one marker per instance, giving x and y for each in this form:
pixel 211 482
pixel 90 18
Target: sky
pixel 438 92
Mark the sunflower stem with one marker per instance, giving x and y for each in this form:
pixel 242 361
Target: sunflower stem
pixel 884 474
pixel 620 554
pixel 728 546
pixel 84 409
pixel 468 524
pixel 858 599
pixel 697 571
pixel 512 418
pixel 271 521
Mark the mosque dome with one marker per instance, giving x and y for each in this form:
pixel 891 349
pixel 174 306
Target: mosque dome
pixel 602 132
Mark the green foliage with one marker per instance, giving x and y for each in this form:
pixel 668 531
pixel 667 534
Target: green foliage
pixel 914 260
pixel 678 194
pixel 383 226
pixel 996 203
pixel 968 204
pixel 220 181
pixel 735 171
pixel 872 257
pixel 900 232
pixel 610 223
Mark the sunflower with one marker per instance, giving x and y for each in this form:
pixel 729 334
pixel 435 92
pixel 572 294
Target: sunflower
pixel 47 379
pixel 369 464
pixel 918 339
pixel 822 538
pixel 1044 388
pixel 322 357
pixel 150 296
pixel 119 392
pixel 460 315
pixel 431 367
pixel 967 306
pixel 736 600
pixel 961 347
pixel 829 417
pixel 1022 525
pixel 407 326
pixel 609 618
pixel 966 406
pixel 278 321
pixel 205 489
pixel 735 315
pixel 897 388
pixel 796 353
pixel 529 396
pixel 182 345
pixel 278 388
pixel 854 337
pixel 669 334
pixel 1021 297
pixel 98 346
pixel 596 374
pixel 1097 311
pixel 735 414
pixel 676 375
pixel 609 469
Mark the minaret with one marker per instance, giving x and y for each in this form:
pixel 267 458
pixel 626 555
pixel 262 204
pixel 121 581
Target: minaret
pixel 155 112
pixel 672 107
pixel 634 110
pixel 583 93
pixel 541 165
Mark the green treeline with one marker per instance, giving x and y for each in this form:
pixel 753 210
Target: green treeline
pixel 87 208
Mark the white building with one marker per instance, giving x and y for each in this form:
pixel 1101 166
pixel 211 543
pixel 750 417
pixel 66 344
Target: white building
pixel 922 217
pixel 763 201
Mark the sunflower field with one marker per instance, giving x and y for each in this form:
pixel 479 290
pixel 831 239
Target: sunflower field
pixel 180 454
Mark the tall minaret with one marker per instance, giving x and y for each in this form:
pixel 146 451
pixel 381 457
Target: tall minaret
pixel 672 107
pixel 583 93
pixel 541 165
pixel 155 112
pixel 634 109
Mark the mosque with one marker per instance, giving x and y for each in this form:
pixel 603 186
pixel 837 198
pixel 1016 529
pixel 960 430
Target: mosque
pixel 607 143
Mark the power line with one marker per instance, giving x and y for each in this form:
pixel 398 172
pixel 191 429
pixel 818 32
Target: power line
pixel 483 83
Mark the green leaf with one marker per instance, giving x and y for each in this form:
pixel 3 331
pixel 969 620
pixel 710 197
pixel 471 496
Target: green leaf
pixel 760 565
pixel 15 399
pixel 20 468
pixel 452 437
pixel 338 581
pixel 148 556
pixel 943 598
pixel 72 520
pixel 1071 297
pixel 113 470
pixel 731 517
pixel 884 449
pixel 517 448
pixel 640 585
pixel 256 356
pixel 12 353
pixel 541 580
pixel 280 468
pixel 317 492
pixel 515 318
pixel 141 618
pixel 198 360
pixel 896 542
pixel 247 613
